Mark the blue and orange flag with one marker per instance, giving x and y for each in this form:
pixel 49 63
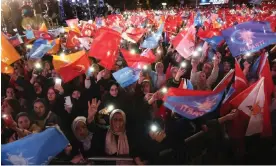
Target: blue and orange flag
pixel 192 104
pixel 8 53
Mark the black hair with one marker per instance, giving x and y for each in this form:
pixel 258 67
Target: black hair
pixel 111 83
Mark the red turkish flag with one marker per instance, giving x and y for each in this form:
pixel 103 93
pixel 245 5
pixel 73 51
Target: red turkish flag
pixel 72 39
pixel 43 35
pixel 74 69
pixel 88 30
pixel 105 46
pixel 138 61
pixel 208 34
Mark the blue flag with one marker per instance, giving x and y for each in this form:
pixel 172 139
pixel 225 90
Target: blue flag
pixel 248 37
pixel 189 85
pixel 198 19
pixel 126 76
pixel 152 41
pixel 35 149
pixel 229 93
pixel 30 34
pixel 192 104
pixel 215 41
pixel 258 2
pixel 99 22
pixel 40 47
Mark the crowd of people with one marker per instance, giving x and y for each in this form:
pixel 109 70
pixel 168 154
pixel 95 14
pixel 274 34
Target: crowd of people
pixel 105 119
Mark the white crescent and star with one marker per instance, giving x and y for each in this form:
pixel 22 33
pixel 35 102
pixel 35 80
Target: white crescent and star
pixel 81 67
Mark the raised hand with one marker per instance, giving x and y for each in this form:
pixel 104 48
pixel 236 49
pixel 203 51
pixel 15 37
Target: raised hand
pixel 246 65
pixel 92 109
pixel 148 96
pixel 100 75
pixel 233 114
pixel 179 73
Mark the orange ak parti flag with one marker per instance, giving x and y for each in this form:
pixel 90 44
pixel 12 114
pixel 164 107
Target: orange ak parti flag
pixel 8 53
pixel 43 28
pixel 56 47
pixel 63 60
pixel 6 68
pixel 74 69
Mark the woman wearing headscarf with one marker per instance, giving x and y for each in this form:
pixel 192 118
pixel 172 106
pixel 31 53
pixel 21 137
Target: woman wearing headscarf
pixel 117 143
pixel 89 137
pixel 112 98
pixel 55 103
pixel 24 127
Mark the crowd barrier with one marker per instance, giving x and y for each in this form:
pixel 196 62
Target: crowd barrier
pixel 191 140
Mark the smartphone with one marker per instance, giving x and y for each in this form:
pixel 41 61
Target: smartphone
pixel 183 65
pixel 57 82
pixel 154 128
pixel 68 101
pixel 7 119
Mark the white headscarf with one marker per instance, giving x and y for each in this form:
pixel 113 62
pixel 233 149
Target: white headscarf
pixel 111 146
pixel 87 141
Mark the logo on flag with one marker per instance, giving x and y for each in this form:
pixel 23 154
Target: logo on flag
pixel 248 37
pixel 192 104
pixel 126 76
pixel 34 149
pixel 252 103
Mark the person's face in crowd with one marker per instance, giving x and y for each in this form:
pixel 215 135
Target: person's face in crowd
pixel 117 122
pixel 44 72
pixel 178 57
pixel 146 88
pixel 54 74
pixel 76 94
pixel 39 109
pixel 207 68
pixel 51 94
pixel 113 91
pixel 159 68
pixel 23 122
pixel 202 77
pixel 47 66
pixel 174 71
pixel 10 93
pixel 6 108
pixel 81 130
pixel 226 67
pixel 38 88
pixel 19 71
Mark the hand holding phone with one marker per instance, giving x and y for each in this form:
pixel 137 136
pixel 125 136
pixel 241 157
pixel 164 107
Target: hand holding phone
pixel 68 101
pixel 58 82
pixel 8 120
